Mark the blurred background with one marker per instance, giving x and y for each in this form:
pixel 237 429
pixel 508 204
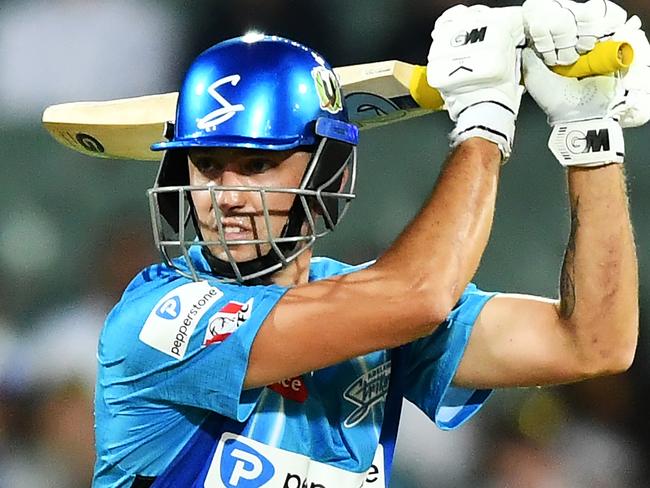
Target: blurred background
pixel 74 230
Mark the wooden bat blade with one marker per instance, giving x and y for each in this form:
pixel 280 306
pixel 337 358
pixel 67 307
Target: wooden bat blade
pixel 376 94
pixel 114 129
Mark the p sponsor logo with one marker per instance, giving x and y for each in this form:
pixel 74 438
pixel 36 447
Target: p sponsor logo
pixel 169 309
pixel 174 318
pixel 243 466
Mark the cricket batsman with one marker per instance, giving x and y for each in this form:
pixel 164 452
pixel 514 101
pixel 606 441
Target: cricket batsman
pixel 244 361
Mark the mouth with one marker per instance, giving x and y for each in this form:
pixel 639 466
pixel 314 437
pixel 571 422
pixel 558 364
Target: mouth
pixel 233 229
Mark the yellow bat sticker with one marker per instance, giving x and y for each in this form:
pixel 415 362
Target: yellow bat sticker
pixel 328 89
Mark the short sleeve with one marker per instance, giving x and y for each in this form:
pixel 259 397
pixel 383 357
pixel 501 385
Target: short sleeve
pixel 185 343
pixel 431 365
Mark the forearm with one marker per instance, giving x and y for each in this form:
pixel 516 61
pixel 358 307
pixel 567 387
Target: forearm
pixel 442 247
pixel 599 278
pixel 402 297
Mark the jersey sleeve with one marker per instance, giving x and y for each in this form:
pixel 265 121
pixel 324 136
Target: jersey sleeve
pixel 432 363
pixel 185 343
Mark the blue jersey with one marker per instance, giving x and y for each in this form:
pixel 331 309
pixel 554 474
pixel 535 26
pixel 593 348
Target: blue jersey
pixel 171 409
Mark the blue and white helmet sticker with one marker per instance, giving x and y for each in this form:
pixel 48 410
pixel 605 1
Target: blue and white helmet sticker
pixel 227 110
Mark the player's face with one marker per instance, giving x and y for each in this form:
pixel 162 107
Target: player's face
pixel 241 212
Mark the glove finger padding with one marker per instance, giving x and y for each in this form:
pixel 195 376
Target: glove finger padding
pixel 632 108
pixel 473 62
pixel 561 30
pixel 552 29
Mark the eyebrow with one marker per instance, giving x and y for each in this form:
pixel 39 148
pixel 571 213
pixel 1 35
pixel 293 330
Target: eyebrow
pixel 206 153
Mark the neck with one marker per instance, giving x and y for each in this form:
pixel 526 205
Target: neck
pixel 296 273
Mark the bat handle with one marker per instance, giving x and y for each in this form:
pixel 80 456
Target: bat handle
pixel 423 94
pixel 605 58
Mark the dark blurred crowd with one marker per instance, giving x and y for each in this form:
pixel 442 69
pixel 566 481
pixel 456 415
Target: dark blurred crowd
pixel 56 289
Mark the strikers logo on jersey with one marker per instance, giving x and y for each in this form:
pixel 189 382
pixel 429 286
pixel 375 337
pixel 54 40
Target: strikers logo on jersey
pixel 366 391
pixel 226 321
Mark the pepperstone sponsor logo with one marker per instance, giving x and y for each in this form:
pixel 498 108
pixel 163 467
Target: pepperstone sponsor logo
pixel 241 462
pixel 173 319
pixel 366 391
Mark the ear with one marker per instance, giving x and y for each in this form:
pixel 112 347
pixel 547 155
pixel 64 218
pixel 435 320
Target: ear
pixel 345 178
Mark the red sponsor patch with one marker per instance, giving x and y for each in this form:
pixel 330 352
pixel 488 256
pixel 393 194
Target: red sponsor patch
pixel 291 388
pixel 226 321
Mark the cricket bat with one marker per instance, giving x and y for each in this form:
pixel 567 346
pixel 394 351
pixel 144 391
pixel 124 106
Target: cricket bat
pixel 376 94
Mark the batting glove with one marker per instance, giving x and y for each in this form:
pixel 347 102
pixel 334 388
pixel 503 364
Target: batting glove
pixel 474 62
pixel 561 30
pixel 584 130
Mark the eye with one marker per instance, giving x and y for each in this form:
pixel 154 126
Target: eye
pixel 207 166
pixel 258 165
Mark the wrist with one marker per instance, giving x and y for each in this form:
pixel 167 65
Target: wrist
pixel 482 149
pixel 488 120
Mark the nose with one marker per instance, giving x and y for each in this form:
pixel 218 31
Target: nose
pixel 229 200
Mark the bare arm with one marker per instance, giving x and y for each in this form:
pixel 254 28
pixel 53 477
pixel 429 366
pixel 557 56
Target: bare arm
pixel 592 329
pixel 404 295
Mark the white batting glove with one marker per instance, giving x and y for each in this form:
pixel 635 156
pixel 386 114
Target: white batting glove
pixel 584 130
pixel 474 62
pixel 561 30
pixel 633 109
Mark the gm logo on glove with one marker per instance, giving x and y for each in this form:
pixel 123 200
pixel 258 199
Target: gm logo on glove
pixel 471 37
pixel 592 141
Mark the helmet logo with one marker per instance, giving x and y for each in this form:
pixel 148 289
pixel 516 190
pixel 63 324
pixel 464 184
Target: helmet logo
pixel 328 89
pixel 226 112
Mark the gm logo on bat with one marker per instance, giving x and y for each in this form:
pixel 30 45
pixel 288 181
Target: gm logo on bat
pixel 367 109
pixel 89 143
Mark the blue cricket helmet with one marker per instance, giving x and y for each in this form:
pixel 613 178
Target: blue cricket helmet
pixel 262 92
